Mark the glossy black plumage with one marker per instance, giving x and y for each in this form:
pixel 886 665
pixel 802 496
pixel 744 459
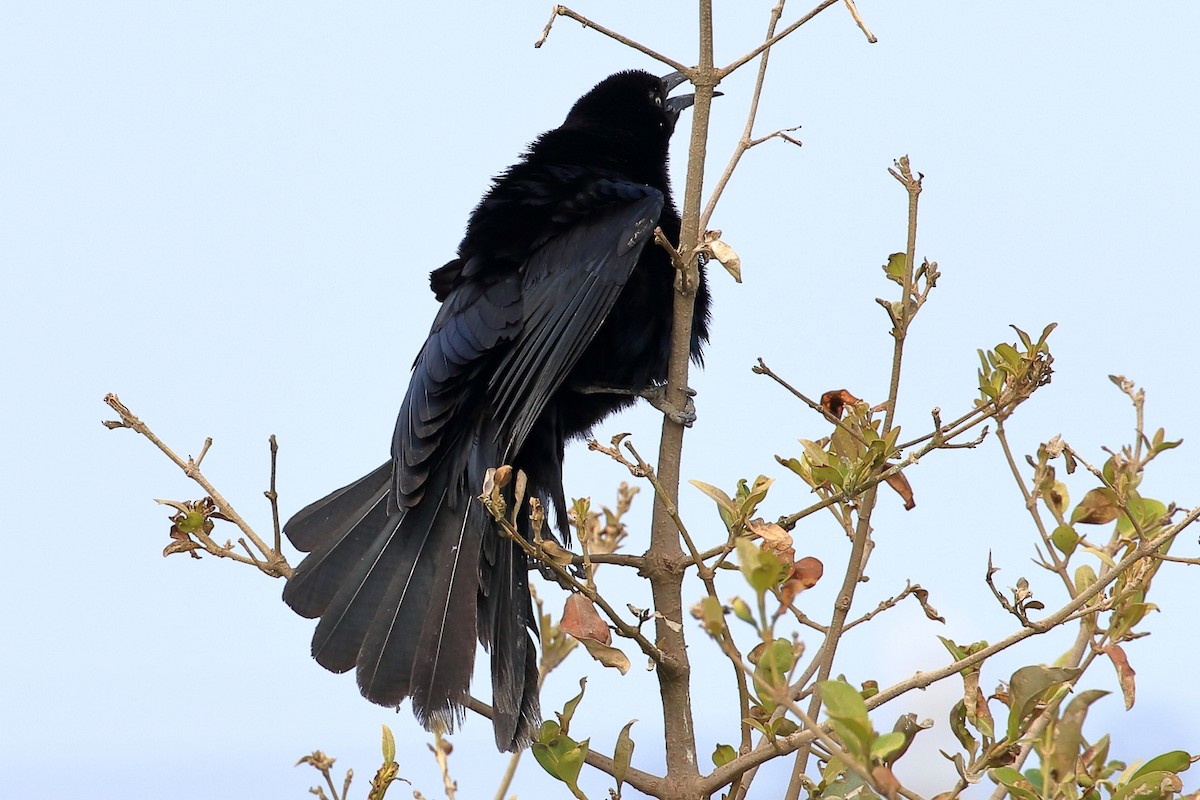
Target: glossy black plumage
pixel 557 287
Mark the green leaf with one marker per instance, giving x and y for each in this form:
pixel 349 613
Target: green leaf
pixel 775 662
pixel 1147 512
pixel 389 746
pixel 1065 538
pixel 959 652
pixel 712 615
pixel 956 651
pixel 1150 786
pixel 816 455
pixel 725 505
pixel 886 746
pixel 741 610
pixel 1085 576
pixel 846 708
pixel 1027 687
pixel 723 754
pixel 796 466
pixel 1068 734
pixel 564 717
pixel 623 754
pixel 894 268
pixel 839 782
pixel 751 497
pixel 958 726
pixel 1159 445
pixel 842 701
pixel 761 569
pixel 562 757
pixel 1175 761
pixel 1011 357
pixel 1016 783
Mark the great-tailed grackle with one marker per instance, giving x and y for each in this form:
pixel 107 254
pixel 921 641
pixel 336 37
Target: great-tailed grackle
pixel 558 290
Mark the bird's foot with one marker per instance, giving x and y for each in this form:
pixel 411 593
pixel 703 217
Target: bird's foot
pixel 576 571
pixel 657 395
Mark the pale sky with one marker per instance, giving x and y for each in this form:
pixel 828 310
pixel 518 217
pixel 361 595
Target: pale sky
pixel 227 212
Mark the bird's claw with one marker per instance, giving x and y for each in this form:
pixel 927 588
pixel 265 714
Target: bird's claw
pixel 657 396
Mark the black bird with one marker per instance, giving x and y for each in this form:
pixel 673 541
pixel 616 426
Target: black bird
pixel 555 313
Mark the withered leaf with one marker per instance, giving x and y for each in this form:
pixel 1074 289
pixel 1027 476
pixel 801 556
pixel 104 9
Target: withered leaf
pixel 181 543
pixel 922 596
pixel 1096 508
pixel 904 489
pixel 607 655
pixel 555 552
pixel 836 400
pixel 775 539
pixel 805 574
pixel 885 782
pixel 1125 673
pixel 581 619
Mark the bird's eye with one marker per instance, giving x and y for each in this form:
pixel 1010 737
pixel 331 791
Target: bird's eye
pixel 658 101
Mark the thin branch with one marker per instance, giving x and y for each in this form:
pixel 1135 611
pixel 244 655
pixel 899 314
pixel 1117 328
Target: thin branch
pixel 861 546
pixel 769 43
pixel 273 497
pixel 672 509
pixel 745 143
pixel 763 369
pixel 912 185
pixel 563 11
pixel 439 749
pixel 1056 565
pixel 273 563
pixel 884 605
pixel 858 20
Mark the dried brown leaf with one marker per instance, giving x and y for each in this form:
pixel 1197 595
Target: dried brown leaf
pixel 1125 673
pixel 581 619
pixel 836 400
pixel 775 539
pixel 607 655
pixel 904 489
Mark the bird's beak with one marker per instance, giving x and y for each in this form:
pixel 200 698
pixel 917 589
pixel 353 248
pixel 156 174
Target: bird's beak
pixel 677 104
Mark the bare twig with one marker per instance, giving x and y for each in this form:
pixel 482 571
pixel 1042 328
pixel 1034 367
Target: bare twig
pixel 441 748
pixel 273 497
pixel 563 11
pixel 745 143
pixel 861 546
pixel 771 42
pixel 859 21
pixel 273 562
pixel 762 369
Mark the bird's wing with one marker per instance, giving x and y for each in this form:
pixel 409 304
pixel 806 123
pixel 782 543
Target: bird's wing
pixel 570 286
pixel 450 373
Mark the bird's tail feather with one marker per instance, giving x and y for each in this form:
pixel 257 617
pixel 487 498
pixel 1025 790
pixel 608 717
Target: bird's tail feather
pixel 505 617
pixel 402 597
pixel 338 531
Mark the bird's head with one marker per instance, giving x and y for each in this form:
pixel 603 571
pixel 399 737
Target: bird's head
pixel 634 101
